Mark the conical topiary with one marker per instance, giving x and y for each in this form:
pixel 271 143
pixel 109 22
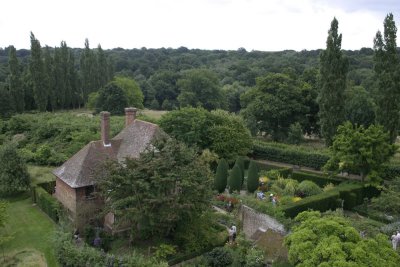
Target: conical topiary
pixel 221 176
pixel 240 162
pixel 235 179
pixel 252 177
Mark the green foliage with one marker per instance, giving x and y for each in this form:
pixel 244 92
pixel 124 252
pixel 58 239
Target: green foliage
pixel 274 104
pixel 240 162
pixel 112 98
pixel 92 100
pixel 15 81
pixel 235 179
pixel 14 176
pixel 69 254
pixel 222 132
pixel 361 150
pixel 163 251
pixel 252 177
pixel 156 192
pixel 47 203
pixel 359 106
pixel 36 70
pixel 389 199
pixel 200 88
pixel 387 64
pixel 331 241
pixel 295 134
pixel 333 71
pixel 3 221
pixel 219 257
pixel 254 258
pixel 221 176
pixel 289 154
pixel 308 188
pixel 134 95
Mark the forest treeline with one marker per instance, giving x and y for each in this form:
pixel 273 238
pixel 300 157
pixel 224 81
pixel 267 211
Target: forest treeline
pixel 278 93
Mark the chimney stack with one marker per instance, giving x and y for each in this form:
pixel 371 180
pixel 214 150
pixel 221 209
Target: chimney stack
pixel 105 128
pixel 130 116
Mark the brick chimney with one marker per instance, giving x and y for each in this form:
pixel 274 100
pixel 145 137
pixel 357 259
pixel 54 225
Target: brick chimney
pixel 130 116
pixel 105 128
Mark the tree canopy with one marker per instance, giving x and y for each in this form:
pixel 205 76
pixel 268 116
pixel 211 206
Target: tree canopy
pixel 274 104
pixel 111 98
pixel 330 241
pixel 359 149
pixel 134 95
pixel 222 132
pixel 168 184
pixel 333 72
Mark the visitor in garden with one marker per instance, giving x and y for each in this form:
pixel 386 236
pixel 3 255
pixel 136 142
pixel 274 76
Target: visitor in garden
pixel 234 233
pixel 395 240
pixel 229 206
pixel 271 196
pixel 230 234
pixel 274 200
pixel 97 242
pixel 260 195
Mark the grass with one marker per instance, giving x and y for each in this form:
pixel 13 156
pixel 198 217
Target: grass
pixel 31 231
pixel 40 174
pixel 154 114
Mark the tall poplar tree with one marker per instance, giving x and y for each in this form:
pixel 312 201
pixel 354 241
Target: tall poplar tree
pixel 36 69
pixel 15 81
pixel 333 72
pixel 50 77
pixel 387 70
pixel 87 71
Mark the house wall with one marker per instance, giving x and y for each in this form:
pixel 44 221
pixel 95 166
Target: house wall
pixel 66 195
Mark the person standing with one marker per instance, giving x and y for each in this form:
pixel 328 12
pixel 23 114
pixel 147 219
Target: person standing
pixel 234 233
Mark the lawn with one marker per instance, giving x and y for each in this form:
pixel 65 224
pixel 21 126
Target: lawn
pixel 32 231
pixel 40 174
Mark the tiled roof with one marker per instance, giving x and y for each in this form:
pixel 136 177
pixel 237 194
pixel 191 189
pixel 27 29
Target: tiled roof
pixel 130 142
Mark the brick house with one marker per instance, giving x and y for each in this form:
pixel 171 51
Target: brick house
pixel 75 181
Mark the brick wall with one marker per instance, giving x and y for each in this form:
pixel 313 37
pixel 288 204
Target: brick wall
pixel 66 195
pixel 253 220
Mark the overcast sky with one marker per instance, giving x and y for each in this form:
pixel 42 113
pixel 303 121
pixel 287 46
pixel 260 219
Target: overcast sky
pixel 266 25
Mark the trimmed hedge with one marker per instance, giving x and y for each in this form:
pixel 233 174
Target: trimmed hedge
pixel 47 203
pixel 48 186
pixel 288 154
pixel 285 172
pixel 319 180
pixel 352 194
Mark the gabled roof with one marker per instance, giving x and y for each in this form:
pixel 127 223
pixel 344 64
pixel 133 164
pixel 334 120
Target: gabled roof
pixel 78 171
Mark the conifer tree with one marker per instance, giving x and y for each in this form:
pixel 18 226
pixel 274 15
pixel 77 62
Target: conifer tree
pixel 333 70
pixel 221 176
pixel 87 71
pixel 36 69
pixel 387 70
pixel 252 177
pixel 235 179
pixel 15 81
pixel 240 162
pixel 50 77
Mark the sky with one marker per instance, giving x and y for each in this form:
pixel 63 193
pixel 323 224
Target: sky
pixel 264 25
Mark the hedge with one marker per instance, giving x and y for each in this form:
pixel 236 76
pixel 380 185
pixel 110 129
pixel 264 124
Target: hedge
pixel 47 203
pixel 318 179
pixel 48 186
pixel 352 194
pixel 390 171
pixel 289 154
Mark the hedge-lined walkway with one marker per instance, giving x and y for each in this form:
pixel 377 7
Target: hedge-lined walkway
pixel 300 168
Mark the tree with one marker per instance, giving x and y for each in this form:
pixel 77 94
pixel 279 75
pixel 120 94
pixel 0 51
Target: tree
pixel 14 175
pixel 15 81
pixel 252 177
pixel 240 162
pixel 112 98
pixel 274 104
pixel 88 66
pixel 36 68
pixel 359 106
pixel 164 84
pixel 50 75
pixel 132 91
pixel 235 179
pixel 168 184
pixel 200 88
pixel 6 108
pixel 361 150
pixel 387 72
pixel 221 176
pixel 222 132
pixel 330 241
pixel 333 71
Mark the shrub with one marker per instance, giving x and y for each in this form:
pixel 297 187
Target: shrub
pixel 252 177
pixel 221 176
pixel 289 154
pixel 295 134
pixel 255 258
pixel 308 188
pixel 291 187
pixel 235 179
pixel 328 187
pixel 219 257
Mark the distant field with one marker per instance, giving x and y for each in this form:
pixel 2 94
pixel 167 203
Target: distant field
pixel 155 114
pixel 32 231
pixel 40 174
